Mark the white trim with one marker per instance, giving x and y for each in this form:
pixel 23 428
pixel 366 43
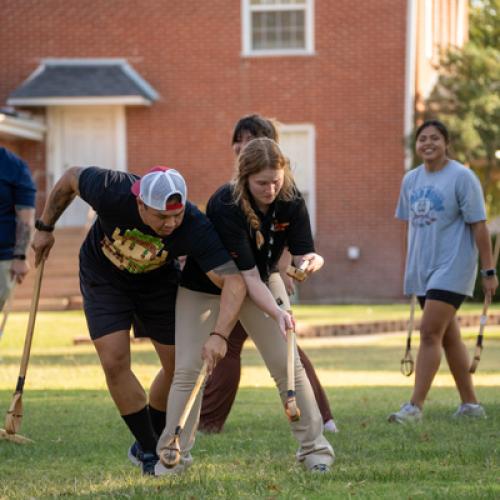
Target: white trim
pixel 410 75
pixel 428 29
pixel 279 53
pixel 53 145
pixel 310 130
pixel 460 24
pixel 79 101
pixel 246 32
pixel 121 139
pixel 21 128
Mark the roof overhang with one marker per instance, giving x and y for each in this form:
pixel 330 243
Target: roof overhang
pixel 21 128
pixel 75 82
pixel 79 101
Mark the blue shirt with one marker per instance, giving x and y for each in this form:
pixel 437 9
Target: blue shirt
pixel 17 190
pixel 440 208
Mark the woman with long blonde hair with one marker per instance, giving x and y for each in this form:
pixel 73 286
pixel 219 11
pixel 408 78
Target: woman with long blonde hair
pixel 257 215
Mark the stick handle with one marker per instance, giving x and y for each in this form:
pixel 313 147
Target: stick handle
pixel 192 397
pixel 7 308
pixel 479 340
pixel 298 273
pixel 31 321
pixel 290 365
pixel 304 265
pixel 411 321
pixel 482 322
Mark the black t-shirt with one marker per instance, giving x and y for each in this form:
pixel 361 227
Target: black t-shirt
pixel 122 248
pixel 286 224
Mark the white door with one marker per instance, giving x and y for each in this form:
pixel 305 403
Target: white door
pixel 298 143
pixel 84 136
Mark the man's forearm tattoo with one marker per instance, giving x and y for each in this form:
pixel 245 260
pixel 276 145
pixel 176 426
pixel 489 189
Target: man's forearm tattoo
pixel 58 203
pixel 23 237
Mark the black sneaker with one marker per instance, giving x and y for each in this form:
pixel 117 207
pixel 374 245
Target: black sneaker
pixel 135 453
pixel 148 461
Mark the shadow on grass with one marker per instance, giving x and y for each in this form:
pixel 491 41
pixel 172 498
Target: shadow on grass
pixel 342 357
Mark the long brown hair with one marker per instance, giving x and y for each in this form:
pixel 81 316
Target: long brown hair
pixel 257 155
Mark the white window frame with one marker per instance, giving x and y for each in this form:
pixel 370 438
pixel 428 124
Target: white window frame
pixel 246 31
pixel 310 130
pixel 429 29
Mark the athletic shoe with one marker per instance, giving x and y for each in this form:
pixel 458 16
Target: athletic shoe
pixel 470 410
pixel 135 453
pixel 330 426
pixel 149 461
pixel 408 413
pixel 320 469
pixel 184 463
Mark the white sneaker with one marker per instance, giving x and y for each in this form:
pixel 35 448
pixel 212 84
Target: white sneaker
pixel 182 466
pixel 330 426
pixel 472 410
pixel 407 413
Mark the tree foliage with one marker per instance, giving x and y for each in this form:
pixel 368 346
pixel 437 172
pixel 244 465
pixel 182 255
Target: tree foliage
pixel 467 98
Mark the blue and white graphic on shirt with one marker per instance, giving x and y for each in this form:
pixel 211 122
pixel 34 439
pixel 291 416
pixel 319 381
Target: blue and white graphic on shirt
pixel 425 202
pixel 441 207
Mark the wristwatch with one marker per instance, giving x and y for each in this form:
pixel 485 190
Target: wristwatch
pixel 488 273
pixel 19 256
pixel 41 226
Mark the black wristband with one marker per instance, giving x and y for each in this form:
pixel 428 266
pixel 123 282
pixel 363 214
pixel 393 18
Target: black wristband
pixel 488 273
pixel 219 335
pixel 41 226
pixel 19 256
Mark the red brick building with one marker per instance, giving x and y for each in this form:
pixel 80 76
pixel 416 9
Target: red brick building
pixel 341 76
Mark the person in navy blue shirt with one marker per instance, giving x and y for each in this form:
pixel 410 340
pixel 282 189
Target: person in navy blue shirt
pixel 129 277
pixel 17 214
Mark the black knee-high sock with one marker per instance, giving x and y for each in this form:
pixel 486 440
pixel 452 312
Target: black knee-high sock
pixel 158 419
pixel 141 427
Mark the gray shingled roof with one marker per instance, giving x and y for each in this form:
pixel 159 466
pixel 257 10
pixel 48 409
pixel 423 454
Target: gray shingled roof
pixel 84 78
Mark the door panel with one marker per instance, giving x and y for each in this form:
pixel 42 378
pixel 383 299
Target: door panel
pixel 88 136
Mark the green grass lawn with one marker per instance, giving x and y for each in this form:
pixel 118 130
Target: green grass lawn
pixel 338 314
pixel 81 443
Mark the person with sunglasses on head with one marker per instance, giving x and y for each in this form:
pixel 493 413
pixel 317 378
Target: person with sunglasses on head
pixel 442 202
pixel 129 278
pixel 257 215
pixel 222 385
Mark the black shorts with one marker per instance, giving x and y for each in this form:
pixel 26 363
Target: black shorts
pixel 110 307
pixel 452 298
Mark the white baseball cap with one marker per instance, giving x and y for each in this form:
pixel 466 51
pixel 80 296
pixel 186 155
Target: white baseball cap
pixel 158 185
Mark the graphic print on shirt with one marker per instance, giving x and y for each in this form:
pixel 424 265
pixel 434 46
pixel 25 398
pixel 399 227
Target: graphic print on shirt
pixel 134 251
pixel 425 202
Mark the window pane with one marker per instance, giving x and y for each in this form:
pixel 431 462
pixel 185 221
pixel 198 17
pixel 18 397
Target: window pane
pixel 278 30
pixel 278 2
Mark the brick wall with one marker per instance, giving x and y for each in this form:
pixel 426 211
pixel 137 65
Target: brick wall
pixel 352 90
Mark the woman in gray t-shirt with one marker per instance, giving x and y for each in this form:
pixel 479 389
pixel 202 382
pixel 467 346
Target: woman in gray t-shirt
pixel 442 201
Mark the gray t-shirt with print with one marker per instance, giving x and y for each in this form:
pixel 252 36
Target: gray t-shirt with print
pixel 440 206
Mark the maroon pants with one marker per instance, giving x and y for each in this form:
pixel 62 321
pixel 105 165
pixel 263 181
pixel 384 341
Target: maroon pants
pixel 222 385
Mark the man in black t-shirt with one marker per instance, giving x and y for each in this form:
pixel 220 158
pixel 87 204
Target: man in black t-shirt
pixel 129 277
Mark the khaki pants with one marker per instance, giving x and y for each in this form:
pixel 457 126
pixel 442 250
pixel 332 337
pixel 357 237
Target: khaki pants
pixel 6 283
pixel 196 314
